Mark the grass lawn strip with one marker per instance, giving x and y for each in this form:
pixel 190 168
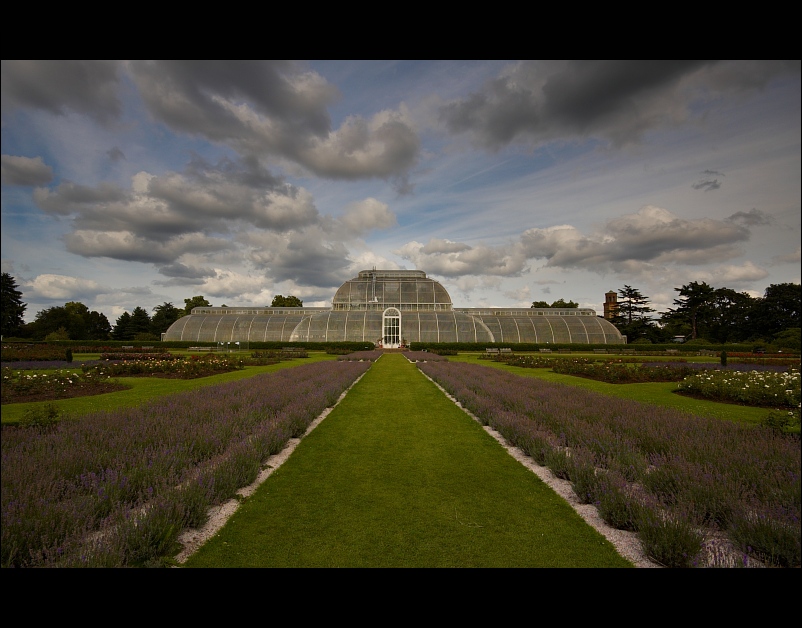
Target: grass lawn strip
pixel 399 476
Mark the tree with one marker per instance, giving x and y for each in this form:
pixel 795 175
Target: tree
pixel 632 305
pixel 789 340
pixel 120 330
pixel 97 326
pixel 197 301
pixel 779 309
pixel 139 323
pixel 693 307
pixel 631 316
pixel 562 303
pixel 73 319
pixel 164 315
pixel 58 319
pixel 59 334
pixel 13 309
pixel 729 316
pixel 288 301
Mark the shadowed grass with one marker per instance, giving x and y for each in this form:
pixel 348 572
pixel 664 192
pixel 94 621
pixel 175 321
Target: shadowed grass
pixel 398 476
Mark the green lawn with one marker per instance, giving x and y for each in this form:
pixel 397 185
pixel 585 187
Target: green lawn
pixel 398 476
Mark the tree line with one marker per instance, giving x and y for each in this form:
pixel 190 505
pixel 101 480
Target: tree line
pixel 75 321
pixel 713 315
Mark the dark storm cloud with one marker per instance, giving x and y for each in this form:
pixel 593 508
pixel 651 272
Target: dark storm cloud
pixel 205 199
pixel 183 271
pixel 24 171
pixel 707 185
pixel 276 109
pixel 73 198
pixel 263 108
pixel 710 182
pixel 752 218
pixel 538 101
pixel 198 96
pixel 115 154
pixel 59 86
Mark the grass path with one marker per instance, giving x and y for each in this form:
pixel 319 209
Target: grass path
pixel 398 476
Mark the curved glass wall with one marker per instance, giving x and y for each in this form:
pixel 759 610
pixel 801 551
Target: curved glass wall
pixel 394 308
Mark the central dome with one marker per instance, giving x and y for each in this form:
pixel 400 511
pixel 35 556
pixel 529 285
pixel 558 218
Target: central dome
pixel 403 289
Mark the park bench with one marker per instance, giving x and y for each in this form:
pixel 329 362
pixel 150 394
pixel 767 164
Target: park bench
pixel 545 351
pixel 600 351
pixel 564 350
pixel 127 347
pixel 672 351
pixel 202 348
pixel 505 350
pixel 491 351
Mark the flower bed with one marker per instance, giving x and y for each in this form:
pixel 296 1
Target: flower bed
pixel 175 367
pixel 31 352
pixel 621 373
pixel 754 388
pixel 22 387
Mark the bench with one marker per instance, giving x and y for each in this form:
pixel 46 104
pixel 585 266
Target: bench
pixel 491 351
pixel 600 351
pixel 564 350
pixel 672 351
pixel 202 349
pixel 144 348
pixel 127 347
pixel 545 351
pixel 505 350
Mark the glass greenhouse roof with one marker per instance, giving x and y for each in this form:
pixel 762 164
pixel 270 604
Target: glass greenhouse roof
pixel 394 306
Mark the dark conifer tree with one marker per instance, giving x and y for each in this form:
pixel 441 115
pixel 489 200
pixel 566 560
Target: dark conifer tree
pixel 12 307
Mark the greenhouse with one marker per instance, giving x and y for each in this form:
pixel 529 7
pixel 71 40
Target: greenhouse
pixel 391 309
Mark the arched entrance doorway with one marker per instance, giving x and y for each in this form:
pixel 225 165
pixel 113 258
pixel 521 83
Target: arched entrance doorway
pixel 391 328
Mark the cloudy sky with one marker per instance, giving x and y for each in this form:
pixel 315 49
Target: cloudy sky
pixel 135 183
